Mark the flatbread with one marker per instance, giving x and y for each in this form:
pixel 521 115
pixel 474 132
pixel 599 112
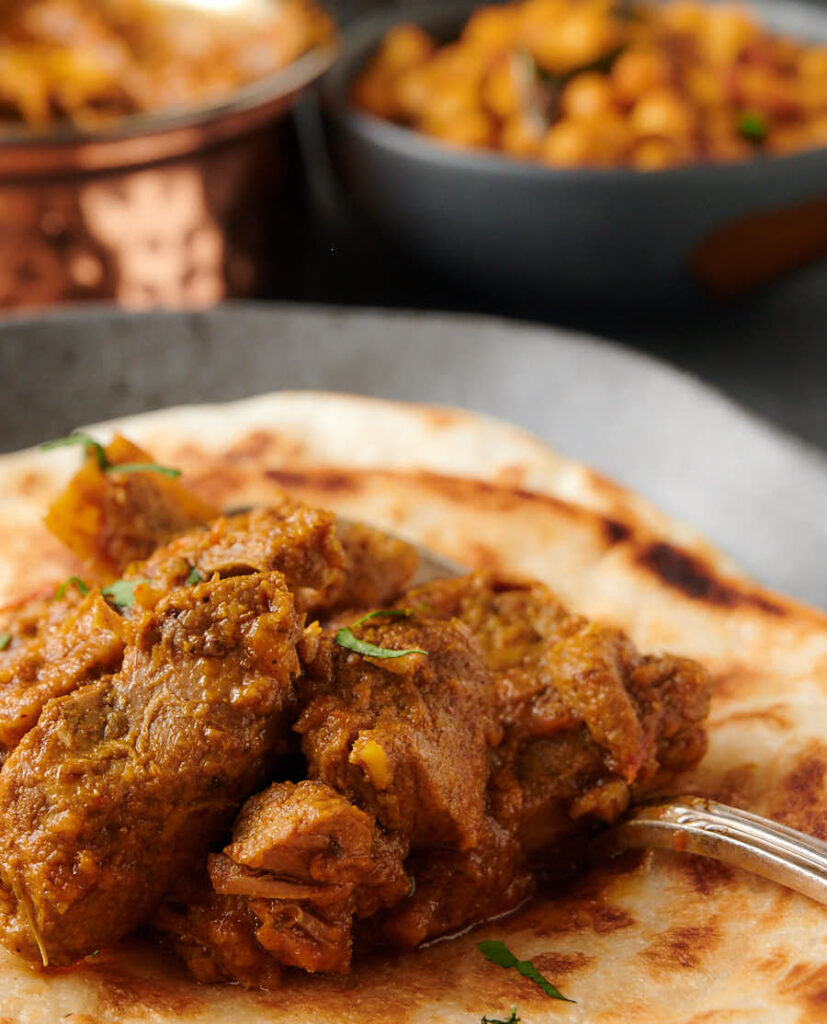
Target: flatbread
pixel 652 939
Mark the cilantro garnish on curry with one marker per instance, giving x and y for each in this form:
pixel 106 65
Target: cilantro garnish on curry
pixel 221 771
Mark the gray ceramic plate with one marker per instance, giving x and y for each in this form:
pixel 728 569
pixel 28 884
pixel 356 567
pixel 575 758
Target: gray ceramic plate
pixel 757 493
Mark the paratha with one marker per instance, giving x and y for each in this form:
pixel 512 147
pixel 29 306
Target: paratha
pixel 654 938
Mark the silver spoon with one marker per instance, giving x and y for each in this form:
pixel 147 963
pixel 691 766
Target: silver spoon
pixel 690 824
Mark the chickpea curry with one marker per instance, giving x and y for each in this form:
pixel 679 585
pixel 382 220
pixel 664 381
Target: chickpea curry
pixel 252 735
pixel 89 62
pixel 591 83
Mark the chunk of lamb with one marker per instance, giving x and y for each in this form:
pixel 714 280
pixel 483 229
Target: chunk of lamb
pixel 122 785
pixel 303 862
pixel 108 519
pixel 378 566
pixel 297 541
pixel 406 738
pixel 621 719
pixel 588 721
pixel 79 639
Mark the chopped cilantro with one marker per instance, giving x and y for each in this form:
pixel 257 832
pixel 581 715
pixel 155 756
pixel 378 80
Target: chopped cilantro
pixel 512 1018
pixel 122 592
pixel 73 581
pixel 346 638
pixel 753 126
pixel 498 953
pixel 105 466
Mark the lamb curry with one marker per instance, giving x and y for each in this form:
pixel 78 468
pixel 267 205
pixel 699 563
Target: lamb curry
pixel 250 734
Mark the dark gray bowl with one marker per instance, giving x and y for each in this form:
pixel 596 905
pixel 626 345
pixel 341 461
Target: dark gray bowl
pixel 533 232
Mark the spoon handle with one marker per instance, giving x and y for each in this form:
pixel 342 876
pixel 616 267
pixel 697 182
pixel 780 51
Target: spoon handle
pixel 694 825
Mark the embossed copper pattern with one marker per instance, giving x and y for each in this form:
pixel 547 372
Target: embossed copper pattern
pixel 182 215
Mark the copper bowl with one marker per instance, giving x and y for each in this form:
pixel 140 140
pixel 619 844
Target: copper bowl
pixel 182 208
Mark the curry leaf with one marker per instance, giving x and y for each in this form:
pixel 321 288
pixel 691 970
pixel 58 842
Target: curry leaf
pixel 346 638
pixel 498 953
pixel 73 581
pixel 122 592
pixel 194 577
pixel 5 640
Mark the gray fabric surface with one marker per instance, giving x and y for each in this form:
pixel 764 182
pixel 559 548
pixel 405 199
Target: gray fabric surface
pixel 757 493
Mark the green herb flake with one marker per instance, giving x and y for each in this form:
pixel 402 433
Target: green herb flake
pixel 512 1018
pixel 498 953
pixel 105 466
pixel 141 467
pixel 122 592
pixel 346 638
pixel 753 126
pixel 95 952
pixel 85 440
pixel 194 577
pixel 73 581
pixel 5 640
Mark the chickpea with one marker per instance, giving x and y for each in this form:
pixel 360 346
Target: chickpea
pixel 457 61
pixel 412 89
pixel 504 87
pixel 706 87
pixel 657 154
pixel 684 17
pixel 809 94
pixel 636 72
pixel 586 94
pixel 787 139
pixel 581 36
pixel 471 129
pixel 372 92
pixel 663 113
pixel 570 144
pixel 725 145
pixel 404 46
pixel 762 89
pixel 811 63
pixel 817 129
pixel 492 28
pixel 521 136
pixel 727 33
pixel 452 98
pixel 614 136
pixel 535 18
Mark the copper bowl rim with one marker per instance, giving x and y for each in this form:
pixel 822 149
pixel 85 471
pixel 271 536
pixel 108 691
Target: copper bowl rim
pixel 145 138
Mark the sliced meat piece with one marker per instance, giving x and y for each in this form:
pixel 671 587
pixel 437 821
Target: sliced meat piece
pixel 378 566
pixel 109 519
pixel 455 888
pixel 303 862
pixel 590 666
pixel 586 716
pixel 123 784
pixel 297 541
pixel 673 695
pixel 312 936
pixel 215 937
pixel 303 831
pixel 79 640
pixel 406 738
